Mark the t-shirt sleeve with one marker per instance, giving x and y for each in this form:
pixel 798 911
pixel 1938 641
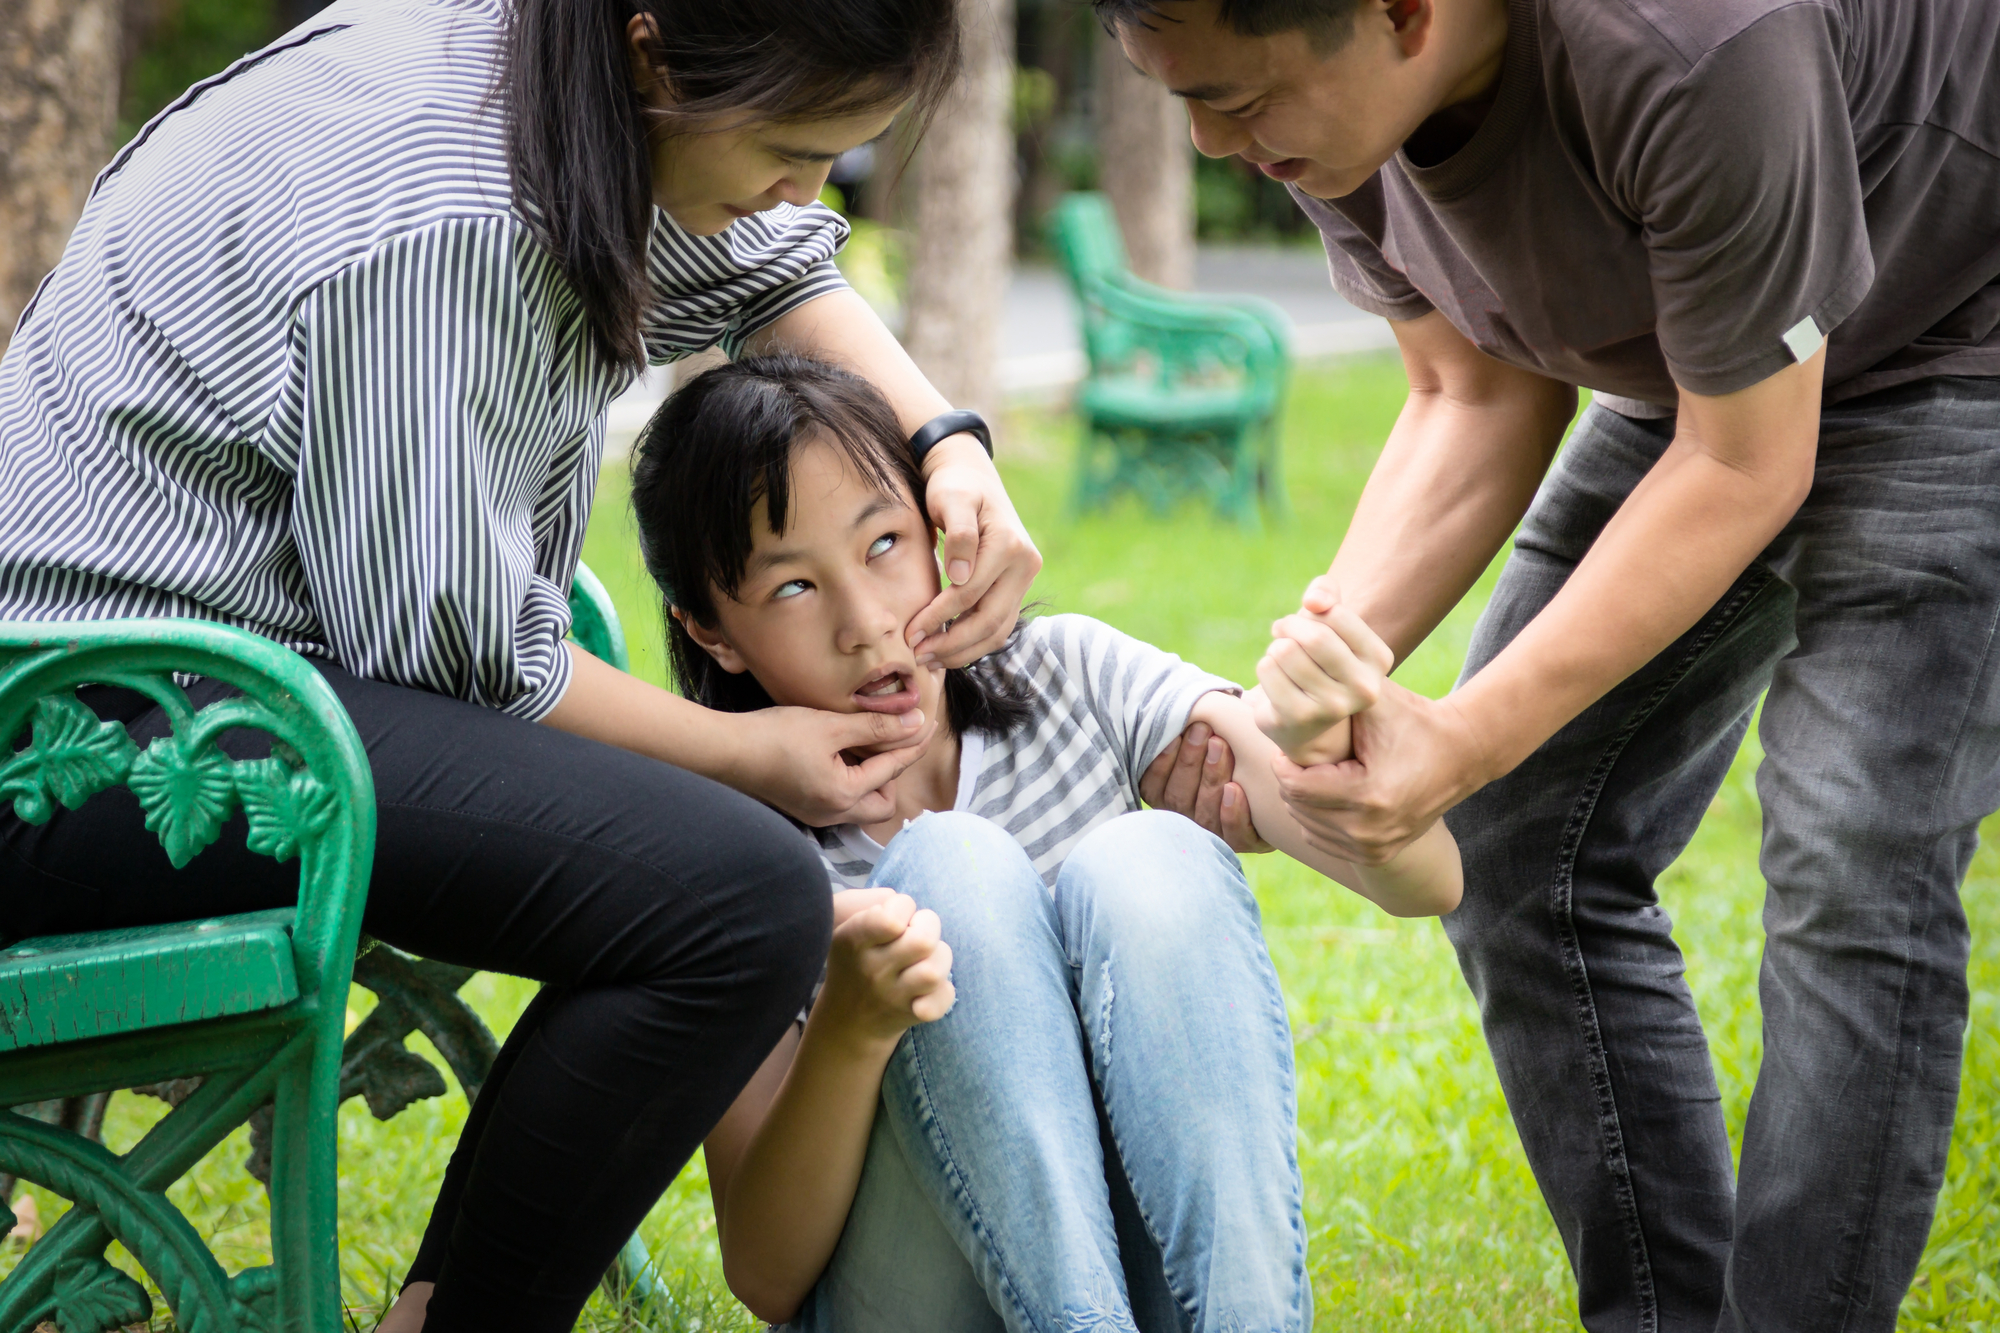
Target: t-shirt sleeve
pixel 720 290
pixel 1352 229
pixel 426 439
pixel 1743 178
pixel 1141 695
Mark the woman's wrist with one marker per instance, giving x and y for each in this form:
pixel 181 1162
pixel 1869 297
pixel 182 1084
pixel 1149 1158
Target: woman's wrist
pixel 606 705
pixel 952 450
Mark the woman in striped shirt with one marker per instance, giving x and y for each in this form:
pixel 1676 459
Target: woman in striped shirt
pixel 327 358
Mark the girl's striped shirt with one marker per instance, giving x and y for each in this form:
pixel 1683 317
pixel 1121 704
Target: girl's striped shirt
pixel 303 369
pixel 1103 706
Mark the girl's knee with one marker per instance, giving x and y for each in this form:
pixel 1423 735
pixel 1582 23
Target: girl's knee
pixel 950 849
pixel 1153 866
pixel 1145 845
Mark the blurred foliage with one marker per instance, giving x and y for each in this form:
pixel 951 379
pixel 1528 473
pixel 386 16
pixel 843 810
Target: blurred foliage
pixel 1035 98
pixel 184 42
pixel 1233 201
pixel 873 259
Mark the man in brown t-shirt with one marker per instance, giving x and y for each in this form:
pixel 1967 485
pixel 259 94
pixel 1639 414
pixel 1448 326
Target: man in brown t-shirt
pixel 1766 234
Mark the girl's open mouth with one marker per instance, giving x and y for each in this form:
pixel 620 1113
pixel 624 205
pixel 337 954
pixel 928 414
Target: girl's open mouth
pixel 891 691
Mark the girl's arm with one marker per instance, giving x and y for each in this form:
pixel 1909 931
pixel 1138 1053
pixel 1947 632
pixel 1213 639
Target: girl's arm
pixel 784 1162
pixel 1425 880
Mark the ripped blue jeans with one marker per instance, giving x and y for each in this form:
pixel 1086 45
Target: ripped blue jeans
pixel 1101 1134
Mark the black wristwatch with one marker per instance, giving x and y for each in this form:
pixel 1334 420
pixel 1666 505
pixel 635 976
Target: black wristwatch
pixel 964 420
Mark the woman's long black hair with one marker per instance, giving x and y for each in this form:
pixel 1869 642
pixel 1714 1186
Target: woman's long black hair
pixel 577 129
pixel 726 441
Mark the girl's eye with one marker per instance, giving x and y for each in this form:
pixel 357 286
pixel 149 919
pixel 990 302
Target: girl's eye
pixel 790 589
pixel 881 545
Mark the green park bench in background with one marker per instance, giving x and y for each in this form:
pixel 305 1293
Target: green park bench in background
pixel 1184 391
pixel 231 1019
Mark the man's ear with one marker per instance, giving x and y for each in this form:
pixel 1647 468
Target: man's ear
pixel 713 643
pixel 1412 21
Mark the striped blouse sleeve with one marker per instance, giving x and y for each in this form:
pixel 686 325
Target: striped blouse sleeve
pixel 429 427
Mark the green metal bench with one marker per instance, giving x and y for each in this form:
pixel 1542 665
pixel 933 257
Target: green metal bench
pixel 232 1019
pixel 1184 391
pixel 252 1004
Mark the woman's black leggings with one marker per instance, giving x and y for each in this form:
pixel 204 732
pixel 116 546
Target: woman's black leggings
pixel 677 925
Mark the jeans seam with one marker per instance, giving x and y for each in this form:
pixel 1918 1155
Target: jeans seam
pixel 1562 894
pixel 1888 1120
pixel 1275 999
pixel 968 1205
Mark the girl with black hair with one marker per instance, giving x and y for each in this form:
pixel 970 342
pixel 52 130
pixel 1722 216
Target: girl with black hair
pixel 1087 1114
pixel 327 359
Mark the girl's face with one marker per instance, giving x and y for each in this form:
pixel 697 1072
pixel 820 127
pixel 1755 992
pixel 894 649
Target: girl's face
pixel 820 616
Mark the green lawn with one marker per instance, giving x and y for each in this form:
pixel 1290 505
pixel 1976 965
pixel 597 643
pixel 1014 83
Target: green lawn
pixel 1422 1211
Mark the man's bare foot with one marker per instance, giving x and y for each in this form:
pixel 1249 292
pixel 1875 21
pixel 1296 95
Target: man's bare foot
pixel 407 1314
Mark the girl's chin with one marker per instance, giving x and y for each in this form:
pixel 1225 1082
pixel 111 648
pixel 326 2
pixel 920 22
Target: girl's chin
pixel 861 753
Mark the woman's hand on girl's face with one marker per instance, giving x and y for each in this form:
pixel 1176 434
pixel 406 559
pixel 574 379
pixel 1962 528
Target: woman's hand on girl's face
pixel 889 968
pixel 987 555
pixel 797 760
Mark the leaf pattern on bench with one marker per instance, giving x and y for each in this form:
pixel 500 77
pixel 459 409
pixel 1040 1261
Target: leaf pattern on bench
pixel 94 1297
pixel 71 756
pixel 186 796
pixel 254 1294
pixel 285 806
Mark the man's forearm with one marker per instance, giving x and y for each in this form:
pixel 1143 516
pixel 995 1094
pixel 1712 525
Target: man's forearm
pixel 1452 482
pixel 1738 469
pixel 1458 470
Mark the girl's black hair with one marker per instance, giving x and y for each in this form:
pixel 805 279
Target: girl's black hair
pixel 726 441
pixel 577 129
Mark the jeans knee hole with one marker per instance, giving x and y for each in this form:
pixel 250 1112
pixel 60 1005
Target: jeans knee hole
pixel 1104 1019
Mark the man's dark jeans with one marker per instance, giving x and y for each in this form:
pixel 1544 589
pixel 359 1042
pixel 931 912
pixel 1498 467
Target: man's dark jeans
pixel 1871 619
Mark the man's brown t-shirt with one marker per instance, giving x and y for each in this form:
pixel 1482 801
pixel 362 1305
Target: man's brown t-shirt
pixel 1664 191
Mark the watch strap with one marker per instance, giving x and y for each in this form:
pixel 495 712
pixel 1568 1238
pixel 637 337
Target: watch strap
pixel 962 420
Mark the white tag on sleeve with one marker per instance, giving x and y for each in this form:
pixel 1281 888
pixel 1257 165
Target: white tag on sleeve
pixel 1804 338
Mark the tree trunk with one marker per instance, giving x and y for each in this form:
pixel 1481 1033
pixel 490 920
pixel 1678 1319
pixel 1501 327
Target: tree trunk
pixel 1145 163
pixel 59 64
pixel 961 189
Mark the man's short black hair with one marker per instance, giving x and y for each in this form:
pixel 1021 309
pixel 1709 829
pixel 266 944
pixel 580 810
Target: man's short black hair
pixel 1328 23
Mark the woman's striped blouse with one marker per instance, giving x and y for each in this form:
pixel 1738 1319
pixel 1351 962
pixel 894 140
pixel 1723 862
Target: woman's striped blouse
pixel 303 370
